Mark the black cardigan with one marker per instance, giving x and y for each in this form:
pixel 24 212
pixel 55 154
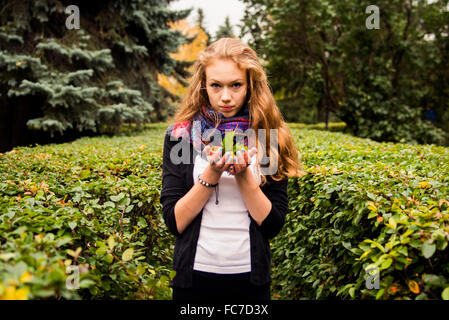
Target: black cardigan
pixel 177 180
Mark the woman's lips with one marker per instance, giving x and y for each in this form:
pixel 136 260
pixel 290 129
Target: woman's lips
pixel 227 108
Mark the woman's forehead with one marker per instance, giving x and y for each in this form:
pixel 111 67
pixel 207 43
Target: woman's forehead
pixel 223 69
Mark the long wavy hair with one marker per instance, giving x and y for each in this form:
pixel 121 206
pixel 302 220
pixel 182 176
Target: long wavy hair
pixel 264 113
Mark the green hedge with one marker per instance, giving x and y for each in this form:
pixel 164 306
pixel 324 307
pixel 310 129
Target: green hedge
pixel 365 204
pixel 94 203
pixel 332 126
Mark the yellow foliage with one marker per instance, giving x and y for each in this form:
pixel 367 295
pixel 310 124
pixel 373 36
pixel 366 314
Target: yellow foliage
pixel 26 277
pixel 186 52
pixel 413 286
pixel 424 185
pixel 12 293
pixel 393 289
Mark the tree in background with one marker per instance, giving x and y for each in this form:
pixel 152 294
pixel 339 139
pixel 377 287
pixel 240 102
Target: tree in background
pixel 225 30
pixel 187 52
pixel 91 79
pixel 322 55
pixel 200 24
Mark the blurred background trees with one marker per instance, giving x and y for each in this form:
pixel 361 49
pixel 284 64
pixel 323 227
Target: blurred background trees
pixel 225 30
pixel 59 84
pixel 131 60
pixel 186 52
pixel 381 82
pixel 200 24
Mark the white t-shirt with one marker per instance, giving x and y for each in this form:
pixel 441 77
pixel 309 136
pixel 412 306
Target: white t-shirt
pixel 223 243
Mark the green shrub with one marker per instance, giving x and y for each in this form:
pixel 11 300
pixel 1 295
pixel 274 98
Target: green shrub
pixel 364 203
pixel 332 126
pixel 381 117
pixel 303 109
pixel 93 203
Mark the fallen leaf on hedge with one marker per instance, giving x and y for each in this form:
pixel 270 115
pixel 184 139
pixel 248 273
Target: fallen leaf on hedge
pixel 386 264
pixel 111 242
pixel 26 277
pixel 424 185
pixel 11 293
pixel 128 254
pixel 393 289
pixel 413 286
pixel 445 294
pixel 428 249
pixel 391 223
pixel 371 206
pixel 7 256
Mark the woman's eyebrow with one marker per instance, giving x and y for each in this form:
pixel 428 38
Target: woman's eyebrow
pixel 220 81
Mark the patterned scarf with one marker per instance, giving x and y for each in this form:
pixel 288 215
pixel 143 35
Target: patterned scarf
pixel 205 119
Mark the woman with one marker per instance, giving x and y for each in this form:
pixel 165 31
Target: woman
pixel 222 245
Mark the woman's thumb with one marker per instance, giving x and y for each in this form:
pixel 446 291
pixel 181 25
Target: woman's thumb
pixel 252 152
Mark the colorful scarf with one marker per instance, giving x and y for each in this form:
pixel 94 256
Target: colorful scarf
pixel 205 119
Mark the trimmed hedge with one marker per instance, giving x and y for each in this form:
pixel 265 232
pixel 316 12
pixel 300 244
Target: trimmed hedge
pixel 332 126
pixel 94 203
pixel 365 204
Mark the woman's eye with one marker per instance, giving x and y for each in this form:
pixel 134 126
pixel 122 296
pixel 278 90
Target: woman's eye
pixel 235 85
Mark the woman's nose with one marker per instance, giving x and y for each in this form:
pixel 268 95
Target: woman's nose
pixel 225 95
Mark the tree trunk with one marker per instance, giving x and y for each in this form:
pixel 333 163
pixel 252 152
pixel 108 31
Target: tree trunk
pixel 326 120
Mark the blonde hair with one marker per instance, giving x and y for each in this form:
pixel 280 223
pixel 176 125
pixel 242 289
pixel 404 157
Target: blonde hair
pixel 264 113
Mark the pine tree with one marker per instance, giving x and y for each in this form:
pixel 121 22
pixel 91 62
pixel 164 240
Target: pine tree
pixel 92 79
pixel 200 23
pixel 225 30
pixel 186 52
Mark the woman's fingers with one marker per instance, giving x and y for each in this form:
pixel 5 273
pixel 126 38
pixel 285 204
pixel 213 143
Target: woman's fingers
pixel 240 161
pixel 246 157
pixel 205 152
pixel 224 162
pixel 252 152
pixel 210 155
pixel 221 161
pixel 234 164
pixel 215 156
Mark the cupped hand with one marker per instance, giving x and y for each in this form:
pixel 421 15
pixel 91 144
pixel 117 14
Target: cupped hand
pixel 216 161
pixel 241 161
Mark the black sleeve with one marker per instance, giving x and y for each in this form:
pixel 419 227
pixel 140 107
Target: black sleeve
pixel 276 192
pixel 173 184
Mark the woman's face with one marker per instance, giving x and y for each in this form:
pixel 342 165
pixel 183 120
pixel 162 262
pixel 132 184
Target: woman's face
pixel 226 86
